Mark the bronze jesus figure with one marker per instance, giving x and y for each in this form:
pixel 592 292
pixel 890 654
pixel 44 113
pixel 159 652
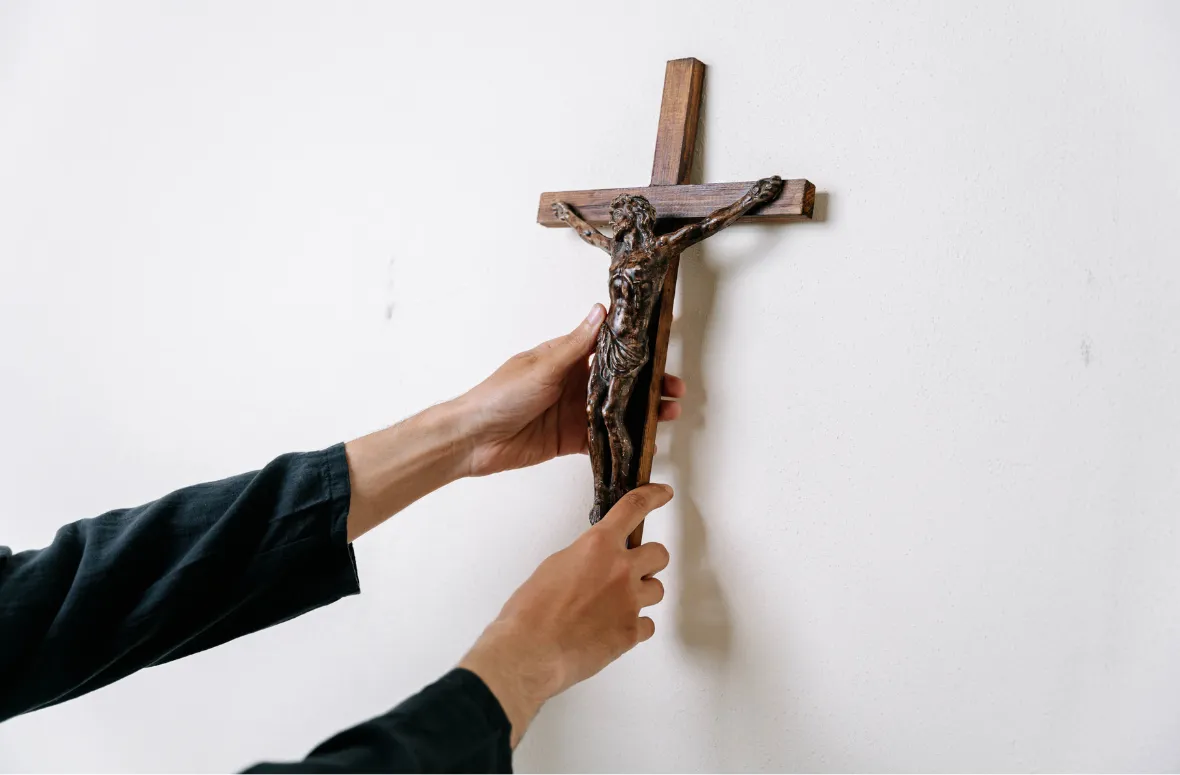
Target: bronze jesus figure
pixel 639 261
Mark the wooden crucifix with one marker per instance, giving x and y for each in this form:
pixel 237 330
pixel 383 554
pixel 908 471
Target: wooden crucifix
pixel 652 226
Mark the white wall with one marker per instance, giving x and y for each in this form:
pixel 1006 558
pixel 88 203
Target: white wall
pixel 930 473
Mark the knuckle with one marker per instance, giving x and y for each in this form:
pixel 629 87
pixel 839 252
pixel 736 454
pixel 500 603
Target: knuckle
pixel 528 357
pixel 621 574
pixel 659 585
pixel 598 541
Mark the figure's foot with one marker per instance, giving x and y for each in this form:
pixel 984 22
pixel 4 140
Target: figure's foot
pixel 595 514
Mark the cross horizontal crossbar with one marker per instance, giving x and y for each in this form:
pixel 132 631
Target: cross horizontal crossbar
pixel 683 202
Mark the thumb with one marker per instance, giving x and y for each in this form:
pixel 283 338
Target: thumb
pixel 579 342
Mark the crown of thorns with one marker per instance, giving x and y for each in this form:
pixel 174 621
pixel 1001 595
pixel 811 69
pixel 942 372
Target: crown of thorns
pixel 635 206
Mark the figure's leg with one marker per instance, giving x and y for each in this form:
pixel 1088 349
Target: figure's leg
pixel 595 394
pixel 614 412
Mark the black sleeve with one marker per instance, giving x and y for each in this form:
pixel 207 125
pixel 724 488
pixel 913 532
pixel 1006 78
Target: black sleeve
pixel 454 725
pixel 195 569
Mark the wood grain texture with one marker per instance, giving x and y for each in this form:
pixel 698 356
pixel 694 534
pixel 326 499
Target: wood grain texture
pixel 676 142
pixel 680 107
pixel 683 202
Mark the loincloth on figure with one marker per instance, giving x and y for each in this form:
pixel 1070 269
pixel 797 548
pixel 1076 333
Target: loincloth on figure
pixel 617 357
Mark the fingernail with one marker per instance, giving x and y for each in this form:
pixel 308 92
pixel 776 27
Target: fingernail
pixel 667 489
pixel 595 316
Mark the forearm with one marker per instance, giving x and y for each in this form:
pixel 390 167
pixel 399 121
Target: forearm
pixel 584 230
pixel 761 192
pixel 689 235
pixel 394 467
pixel 515 668
pixel 725 217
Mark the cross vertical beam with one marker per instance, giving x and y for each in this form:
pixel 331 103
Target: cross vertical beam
pixel 680 108
pixel 676 141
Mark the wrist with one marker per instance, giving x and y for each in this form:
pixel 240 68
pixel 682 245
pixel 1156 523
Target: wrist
pixel 521 678
pixel 471 430
pixel 452 427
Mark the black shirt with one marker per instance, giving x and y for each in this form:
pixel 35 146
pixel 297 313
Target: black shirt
pixel 209 563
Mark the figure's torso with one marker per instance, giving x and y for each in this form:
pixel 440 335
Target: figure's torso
pixel 636 279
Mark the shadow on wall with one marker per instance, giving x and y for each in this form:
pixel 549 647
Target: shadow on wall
pixel 703 619
pixel 703 622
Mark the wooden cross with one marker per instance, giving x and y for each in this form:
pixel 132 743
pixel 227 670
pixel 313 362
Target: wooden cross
pixel 676 202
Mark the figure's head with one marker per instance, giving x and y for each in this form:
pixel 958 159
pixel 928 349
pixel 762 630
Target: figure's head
pixel 629 212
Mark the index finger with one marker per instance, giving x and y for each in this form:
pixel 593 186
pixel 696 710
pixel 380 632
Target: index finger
pixel 631 509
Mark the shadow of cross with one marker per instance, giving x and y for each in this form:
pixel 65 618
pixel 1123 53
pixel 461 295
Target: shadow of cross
pixel 676 202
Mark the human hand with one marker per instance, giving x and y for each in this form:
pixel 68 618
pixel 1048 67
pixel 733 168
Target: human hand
pixel 533 408
pixel 576 614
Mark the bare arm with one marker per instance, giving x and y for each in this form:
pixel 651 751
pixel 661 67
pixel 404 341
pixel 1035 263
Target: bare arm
pixel 763 191
pixel 584 230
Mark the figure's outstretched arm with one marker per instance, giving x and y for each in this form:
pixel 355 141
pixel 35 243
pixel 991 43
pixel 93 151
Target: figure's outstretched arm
pixel 566 215
pixel 763 191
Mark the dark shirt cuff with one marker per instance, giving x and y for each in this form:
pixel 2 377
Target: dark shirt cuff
pixel 335 470
pixel 454 725
pixel 461 710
